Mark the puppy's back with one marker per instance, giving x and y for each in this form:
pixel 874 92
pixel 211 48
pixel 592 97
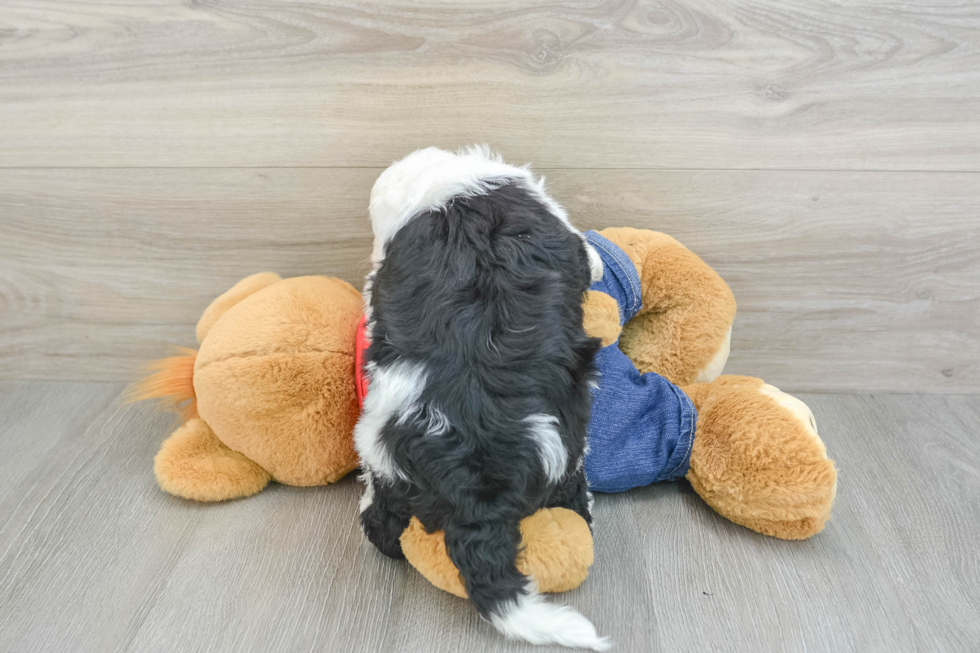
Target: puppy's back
pixel 488 289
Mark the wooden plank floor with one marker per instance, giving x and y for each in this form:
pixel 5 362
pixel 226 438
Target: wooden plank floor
pixel 94 557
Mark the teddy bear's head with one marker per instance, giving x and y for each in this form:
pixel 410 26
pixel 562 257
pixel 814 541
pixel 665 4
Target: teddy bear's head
pixel 274 378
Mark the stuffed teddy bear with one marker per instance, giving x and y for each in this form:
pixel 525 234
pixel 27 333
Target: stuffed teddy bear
pixel 272 394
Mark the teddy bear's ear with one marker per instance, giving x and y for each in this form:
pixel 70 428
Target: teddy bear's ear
pixel 238 292
pixel 600 316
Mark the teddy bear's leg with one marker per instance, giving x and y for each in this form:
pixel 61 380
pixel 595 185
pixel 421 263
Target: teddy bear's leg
pixel 238 292
pixel 757 458
pixel 194 464
pixel 556 549
pixel 684 328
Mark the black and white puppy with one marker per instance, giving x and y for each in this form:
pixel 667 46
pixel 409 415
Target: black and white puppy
pixel 479 371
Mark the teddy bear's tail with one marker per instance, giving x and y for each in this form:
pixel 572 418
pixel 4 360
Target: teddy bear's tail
pixel 171 380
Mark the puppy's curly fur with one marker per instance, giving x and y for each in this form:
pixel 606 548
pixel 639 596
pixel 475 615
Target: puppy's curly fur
pixel 479 373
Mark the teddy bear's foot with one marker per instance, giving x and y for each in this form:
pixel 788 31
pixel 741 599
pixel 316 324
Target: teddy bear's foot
pixel 757 458
pixel 194 464
pixel 556 550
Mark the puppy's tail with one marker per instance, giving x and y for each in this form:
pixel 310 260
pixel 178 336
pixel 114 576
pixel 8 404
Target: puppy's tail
pixel 485 555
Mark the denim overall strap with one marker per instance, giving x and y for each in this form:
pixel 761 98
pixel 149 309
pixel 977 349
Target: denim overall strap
pixel 642 426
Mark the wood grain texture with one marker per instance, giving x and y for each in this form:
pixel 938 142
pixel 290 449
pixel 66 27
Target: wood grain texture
pixel 845 281
pixel 775 84
pixel 94 557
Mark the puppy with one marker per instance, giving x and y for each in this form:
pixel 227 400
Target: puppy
pixel 479 371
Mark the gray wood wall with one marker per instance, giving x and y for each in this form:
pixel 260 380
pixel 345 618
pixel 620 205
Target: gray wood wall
pixel 825 158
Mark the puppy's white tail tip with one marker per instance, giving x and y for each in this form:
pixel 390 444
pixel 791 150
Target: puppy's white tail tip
pixel 534 620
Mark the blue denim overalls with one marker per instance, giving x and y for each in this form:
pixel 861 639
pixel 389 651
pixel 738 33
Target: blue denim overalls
pixel 642 425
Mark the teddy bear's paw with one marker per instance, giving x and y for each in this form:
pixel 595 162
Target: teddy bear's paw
pixel 600 317
pixel 758 460
pixel 795 406
pixel 194 464
pixel 556 552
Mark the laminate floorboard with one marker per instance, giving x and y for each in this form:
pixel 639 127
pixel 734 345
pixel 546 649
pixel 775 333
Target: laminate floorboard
pixel 94 557
pixel 774 84
pixel 845 281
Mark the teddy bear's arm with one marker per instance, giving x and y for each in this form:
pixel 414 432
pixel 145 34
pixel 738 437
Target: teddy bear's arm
pixel 683 329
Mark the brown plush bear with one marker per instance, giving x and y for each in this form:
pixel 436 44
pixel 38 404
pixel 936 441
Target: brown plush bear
pixel 270 395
